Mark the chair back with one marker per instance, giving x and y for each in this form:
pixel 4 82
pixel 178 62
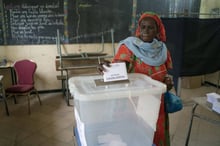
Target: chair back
pixel 25 70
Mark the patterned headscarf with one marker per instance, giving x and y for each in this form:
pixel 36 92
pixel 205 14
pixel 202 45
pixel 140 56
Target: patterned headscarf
pixel 162 34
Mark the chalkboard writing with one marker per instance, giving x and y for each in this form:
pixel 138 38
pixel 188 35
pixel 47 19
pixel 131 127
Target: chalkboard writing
pixel 1 32
pixel 78 21
pixel 1 17
pixel 30 22
pixel 89 18
pixel 36 22
pixel 1 37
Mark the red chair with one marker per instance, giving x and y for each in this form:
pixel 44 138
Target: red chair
pixel 25 70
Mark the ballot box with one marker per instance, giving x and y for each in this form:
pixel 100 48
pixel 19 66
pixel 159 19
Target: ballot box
pixel 116 114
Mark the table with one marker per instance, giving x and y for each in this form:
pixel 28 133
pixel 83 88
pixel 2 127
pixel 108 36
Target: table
pixel 66 64
pixel 9 65
pixel 2 95
pixel 200 101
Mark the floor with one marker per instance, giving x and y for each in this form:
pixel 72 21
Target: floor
pixel 52 123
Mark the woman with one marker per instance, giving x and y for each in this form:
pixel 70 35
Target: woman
pixel 146 53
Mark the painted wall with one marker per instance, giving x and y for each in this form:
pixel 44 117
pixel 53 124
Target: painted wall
pixel 44 56
pixel 2 52
pixel 207 6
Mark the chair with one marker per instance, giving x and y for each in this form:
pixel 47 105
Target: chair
pixel 25 70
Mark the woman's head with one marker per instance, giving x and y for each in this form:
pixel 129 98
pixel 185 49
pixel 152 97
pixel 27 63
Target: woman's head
pixel 149 27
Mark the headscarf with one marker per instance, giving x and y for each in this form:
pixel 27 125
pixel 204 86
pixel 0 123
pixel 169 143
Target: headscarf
pixel 153 53
pixel 162 34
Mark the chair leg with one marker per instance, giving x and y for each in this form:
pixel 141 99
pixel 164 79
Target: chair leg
pixel 12 96
pixel 29 108
pixel 39 99
pixel 6 107
pixel 38 96
pixel 15 100
pixel 28 98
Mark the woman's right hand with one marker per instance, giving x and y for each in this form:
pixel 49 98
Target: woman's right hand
pixel 100 66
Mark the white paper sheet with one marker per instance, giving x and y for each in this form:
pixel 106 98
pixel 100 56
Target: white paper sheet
pixel 216 106
pixel 116 72
pixel 111 140
pixel 212 97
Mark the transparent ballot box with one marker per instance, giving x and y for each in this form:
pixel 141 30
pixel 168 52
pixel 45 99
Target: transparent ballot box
pixel 116 114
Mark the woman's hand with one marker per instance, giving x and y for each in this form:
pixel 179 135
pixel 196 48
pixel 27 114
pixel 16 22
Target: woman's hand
pixel 100 67
pixel 168 81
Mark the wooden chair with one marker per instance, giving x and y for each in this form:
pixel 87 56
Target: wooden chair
pixel 25 70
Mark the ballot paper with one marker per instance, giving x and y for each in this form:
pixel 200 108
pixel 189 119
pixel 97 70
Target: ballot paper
pixel 110 139
pixel 214 99
pixel 116 72
pixel 216 106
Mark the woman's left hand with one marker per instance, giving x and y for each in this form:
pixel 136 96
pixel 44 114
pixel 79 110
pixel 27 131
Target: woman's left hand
pixel 168 81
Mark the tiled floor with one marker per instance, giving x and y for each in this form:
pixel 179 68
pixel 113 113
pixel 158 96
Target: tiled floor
pixel 203 133
pixel 48 125
pixel 52 123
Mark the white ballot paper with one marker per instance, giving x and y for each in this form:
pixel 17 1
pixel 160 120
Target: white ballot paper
pixel 214 99
pixel 116 72
pixel 216 107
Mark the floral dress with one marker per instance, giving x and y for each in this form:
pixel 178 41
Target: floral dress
pixel 161 136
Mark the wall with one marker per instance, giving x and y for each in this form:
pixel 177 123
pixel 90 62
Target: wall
pixel 206 7
pixel 2 52
pixel 44 56
pixel 213 78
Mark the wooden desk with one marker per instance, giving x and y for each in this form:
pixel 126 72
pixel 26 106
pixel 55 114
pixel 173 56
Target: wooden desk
pixel 2 95
pixel 74 65
pixel 201 101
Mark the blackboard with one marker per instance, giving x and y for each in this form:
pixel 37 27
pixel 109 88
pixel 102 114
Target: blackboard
pixel 78 21
pixel 30 21
pixel 1 30
pixel 88 18
pixel 1 36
